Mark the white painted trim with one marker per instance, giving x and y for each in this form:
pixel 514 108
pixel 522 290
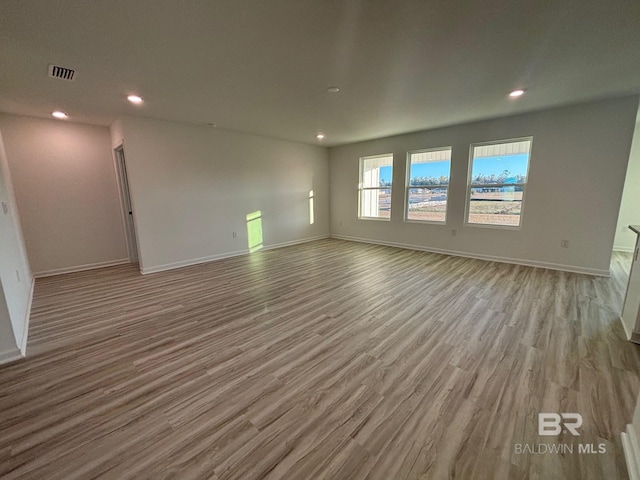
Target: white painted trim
pixel 25 331
pixel 10 356
pixel 221 256
pixel 296 242
pixel 631 452
pixel 617 248
pixel 192 261
pixel 624 325
pixel 80 268
pixel 478 256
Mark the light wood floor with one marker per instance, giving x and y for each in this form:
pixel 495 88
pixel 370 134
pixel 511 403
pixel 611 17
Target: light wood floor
pixel 325 360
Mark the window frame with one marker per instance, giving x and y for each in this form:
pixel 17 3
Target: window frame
pixel 361 189
pixel 471 185
pixel 408 186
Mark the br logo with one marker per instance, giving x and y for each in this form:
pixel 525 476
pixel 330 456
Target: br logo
pixel 551 424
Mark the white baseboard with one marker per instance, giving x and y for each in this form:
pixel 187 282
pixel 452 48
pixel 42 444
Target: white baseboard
pixel 25 332
pixel 193 261
pixel 631 452
pixel 221 256
pixel 10 356
pixel 296 242
pixel 617 248
pixel 626 330
pixel 492 258
pixel 80 268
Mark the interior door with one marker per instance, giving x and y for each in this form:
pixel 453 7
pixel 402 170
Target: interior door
pixel 125 195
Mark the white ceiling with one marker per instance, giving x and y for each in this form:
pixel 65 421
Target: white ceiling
pixel 263 66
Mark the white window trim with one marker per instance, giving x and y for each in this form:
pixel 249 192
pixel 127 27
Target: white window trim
pixel 361 188
pixel 471 185
pixel 408 187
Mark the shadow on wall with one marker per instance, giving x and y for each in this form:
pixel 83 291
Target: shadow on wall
pixel 254 231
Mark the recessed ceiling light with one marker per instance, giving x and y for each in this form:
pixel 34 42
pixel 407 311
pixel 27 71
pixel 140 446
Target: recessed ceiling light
pixel 59 114
pixel 320 136
pixel 134 99
pixel 517 93
pixel 333 89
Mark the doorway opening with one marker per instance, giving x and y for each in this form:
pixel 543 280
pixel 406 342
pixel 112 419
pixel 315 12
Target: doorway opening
pixel 125 202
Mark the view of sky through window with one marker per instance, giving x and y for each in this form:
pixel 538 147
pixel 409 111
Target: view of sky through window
pixel 385 174
pixel 515 165
pixel 430 170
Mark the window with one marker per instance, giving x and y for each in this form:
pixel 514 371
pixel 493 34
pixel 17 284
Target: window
pixel 497 182
pixel 375 187
pixel 428 184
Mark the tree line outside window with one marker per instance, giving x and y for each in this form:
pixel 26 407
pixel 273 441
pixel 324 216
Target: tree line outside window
pixel 496 184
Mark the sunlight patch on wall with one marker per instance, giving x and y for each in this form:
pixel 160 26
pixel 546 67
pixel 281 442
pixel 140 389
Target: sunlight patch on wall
pixel 311 216
pixel 254 231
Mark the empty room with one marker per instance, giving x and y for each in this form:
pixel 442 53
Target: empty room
pixel 295 239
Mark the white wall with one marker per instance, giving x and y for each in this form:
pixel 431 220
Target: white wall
pixel 630 207
pixel 192 187
pixel 9 350
pixel 16 281
pixel 117 137
pixel 631 442
pixel 66 191
pixel 576 176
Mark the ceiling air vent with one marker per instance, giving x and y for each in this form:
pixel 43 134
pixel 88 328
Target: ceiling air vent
pixel 63 73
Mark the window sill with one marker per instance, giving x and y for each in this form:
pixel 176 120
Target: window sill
pixel 428 222
pixel 375 219
pixel 489 225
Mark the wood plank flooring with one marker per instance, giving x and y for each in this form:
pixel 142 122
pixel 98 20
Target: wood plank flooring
pixel 328 360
